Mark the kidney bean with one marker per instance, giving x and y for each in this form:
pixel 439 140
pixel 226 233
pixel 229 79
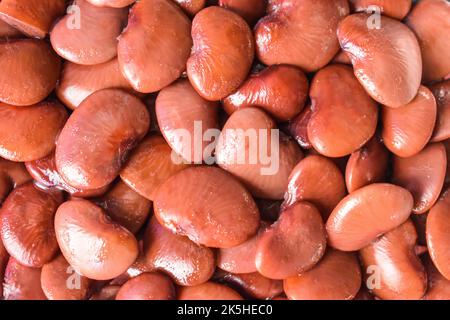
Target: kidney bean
pixel 77 82
pixel 246 150
pixel 208 206
pixel 7 31
pixel 111 3
pixel 301 33
pixel 192 115
pixel 106 293
pixel 429 21
pixel 94 246
pixel 339 101
pixel 60 282
pixel 394 9
pixel 147 286
pixel 32 17
pixel 191 7
pixel 222 54
pixel 392 269
pixel 154 47
pixel 280 90
pixel 98 137
pixel 438 286
pixel 22 283
pixel 12 175
pixel 367 165
pixel 39 70
pixel 293 244
pixel 298 128
pixel 252 285
pixel 89 35
pixel 407 129
pixel 423 175
pixel 208 291
pixel 125 206
pixel 438 234
pixel 336 277
pixel 250 10
pixel 441 92
pixel 342 57
pixel 396 81
pixel 366 214
pixel 27 225
pixel 318 180
pixel 187 263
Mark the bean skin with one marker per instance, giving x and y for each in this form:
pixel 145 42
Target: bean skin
pixel 147 286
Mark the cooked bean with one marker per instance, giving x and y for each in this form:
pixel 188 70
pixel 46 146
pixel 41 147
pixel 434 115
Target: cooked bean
pixel 208 291
pixel 441 92
pixel 112 3
pixel 12 175
pixel 191 7
pixel 438 286
pixel 147 286
pixel 250 10
pixel 397 9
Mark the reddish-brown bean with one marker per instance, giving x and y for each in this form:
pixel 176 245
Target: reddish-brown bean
pixel 12 175
pixel 293 244
pixel 438 286
pixel 187 263
pixel 344 117
pixel 250 10
pixel 7 31
pixel 222 54
pixel 147 286
pixel 39 71
pixel 318 180
pixel 441 92
pixel 367 165
pixel 191 7
pixel 342 57
pixel 301 33
pixel 207 205
pixel 396 81
pixel 423 175
pixel 154 47
pixel 280 90
pixel 60 281
pixel 397 9
pixel 366 214
pixel 22 283
pixel 395 269
pixel 298 128
pixel 208 291
pixel 4 257
pixel 94 246
pixel 98 136
pixel 336 277
pixel 112 3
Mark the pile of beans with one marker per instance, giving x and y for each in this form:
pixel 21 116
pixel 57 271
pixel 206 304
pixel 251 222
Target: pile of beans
pixel 94 204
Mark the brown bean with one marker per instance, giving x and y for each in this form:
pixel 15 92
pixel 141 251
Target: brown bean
pixel 249 148
pixel 241 259
pixel 125 206
pixel 441 92
pixel 108 292
pixel 293 244
pixel 60 282
pixel 77 82
pixel 301 33
pixel 423 175
pixel 222 54
pixel 207 205
pixel 407 129
pixel 149 166
pixel 147 286
pixel 429 21
pixel 250 10
pixel 27 227
pixel 7 31
pixel 208 291
pixel 367 165
pixel 344 117
pixel 396 81
pixel 32 17
pixel 112 3
pixel 184 122
pixel 366 214
pixel 39 70
pixel 191 7
pixel 88 36
pixel 187 263
pixel 438 286
pixel 318 180
pixel 280 90
pixel 298 128
pixel 395 9
pixel 154 47
pixel 138 267
pixel 98 136
pixel 29 133
pixel 392 269
pixel 93 245
pixel 12 175
pixel 336 277
pixel 438 234
pixel 22 283
pixel 342 57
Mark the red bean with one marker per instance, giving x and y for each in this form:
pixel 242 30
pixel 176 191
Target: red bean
pixel 208 206
pixel 12 175
pixel 298 128
pixel 441 92
pixel 112 3
pixel 98 136
pixel 208 291
pixel 250 10
pixel 438 286
pixel 93 245
pixel 366 214
pixel 222 54
pixel 395 9
pixel 147 286
pixel 301 33
pixel 191 7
